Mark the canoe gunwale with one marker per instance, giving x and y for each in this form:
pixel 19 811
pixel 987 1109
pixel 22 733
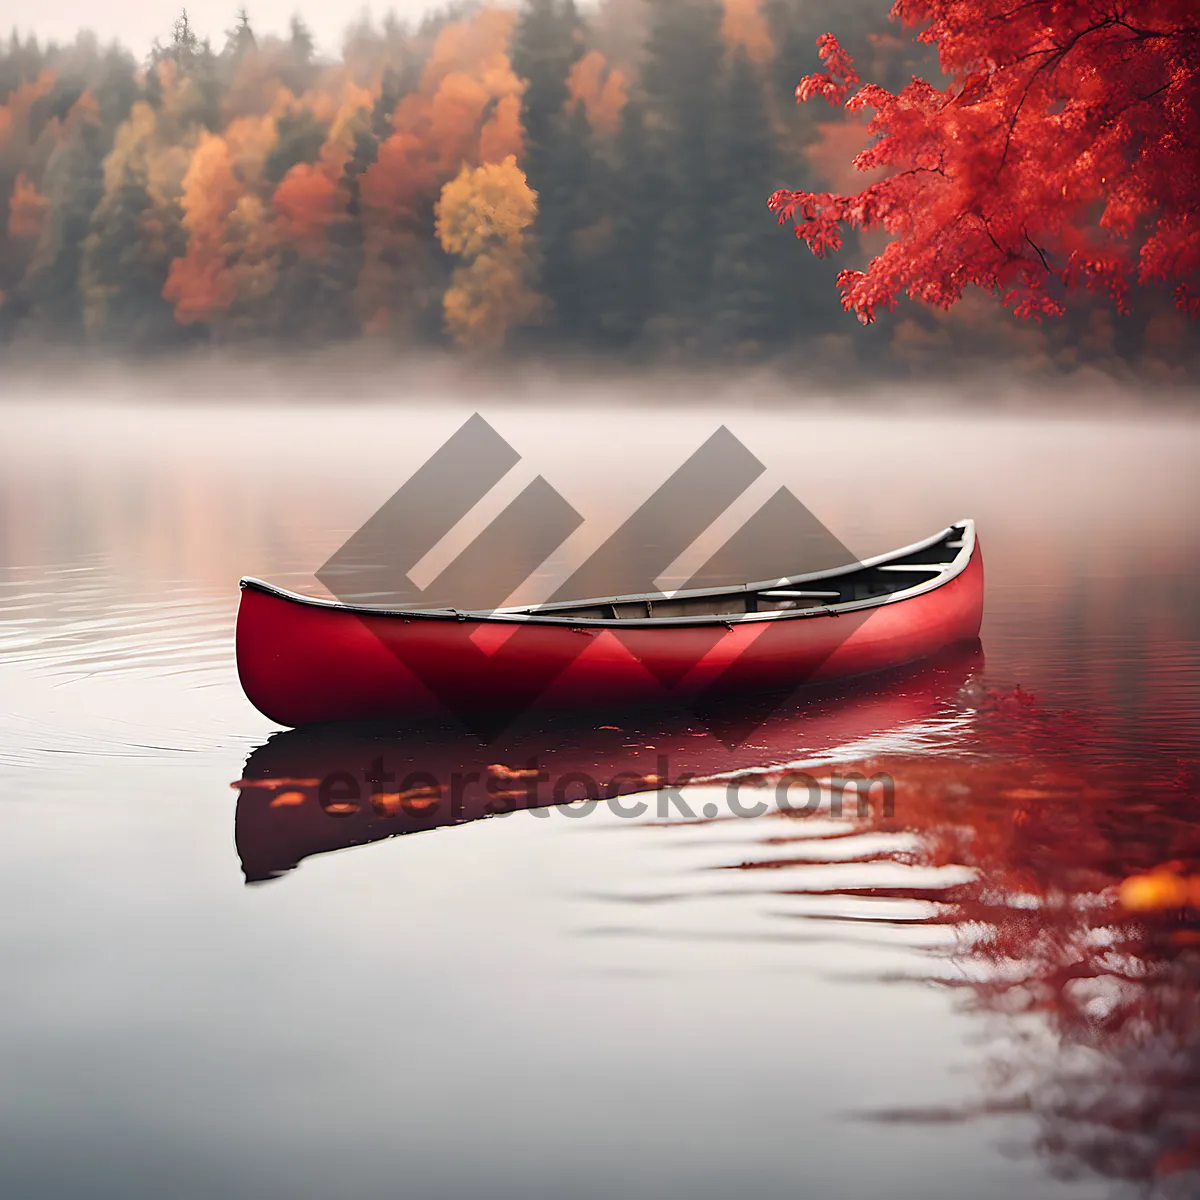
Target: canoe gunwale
pixel 529 614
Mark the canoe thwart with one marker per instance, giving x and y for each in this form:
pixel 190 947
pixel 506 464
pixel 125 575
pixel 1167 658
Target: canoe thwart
pixel 786 595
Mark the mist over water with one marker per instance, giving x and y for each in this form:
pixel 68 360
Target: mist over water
pixel 557 1005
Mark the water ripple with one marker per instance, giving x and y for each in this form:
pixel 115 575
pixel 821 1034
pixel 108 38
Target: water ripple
pixel 78 650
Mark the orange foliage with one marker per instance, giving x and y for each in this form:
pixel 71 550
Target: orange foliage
pixel 355 102
pixel 502 136
pixel 744 27
pixel 307 200
pixel 236 224
pixel 602 91
pixel 26 210
pixel 199 284
pixel 14 113
pixel 439 127
pixel 465 112
pixel 310 196
pixel 85 111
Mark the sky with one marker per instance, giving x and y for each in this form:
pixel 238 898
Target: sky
pixel 136 23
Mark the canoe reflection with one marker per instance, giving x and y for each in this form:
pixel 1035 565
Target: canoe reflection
pixel 318 789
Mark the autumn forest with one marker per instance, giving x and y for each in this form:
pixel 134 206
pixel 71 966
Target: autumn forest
pixel 535 180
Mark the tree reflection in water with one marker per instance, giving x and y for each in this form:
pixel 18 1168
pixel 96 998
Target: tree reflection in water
pixel 1059 890
pixel 1078 929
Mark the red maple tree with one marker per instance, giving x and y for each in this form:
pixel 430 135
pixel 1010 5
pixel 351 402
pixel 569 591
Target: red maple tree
pixel 1063 153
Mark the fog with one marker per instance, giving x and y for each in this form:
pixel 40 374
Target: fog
pixel 368 373
pixel 137 25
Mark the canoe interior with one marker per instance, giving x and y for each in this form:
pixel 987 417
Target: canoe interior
pixel 843 586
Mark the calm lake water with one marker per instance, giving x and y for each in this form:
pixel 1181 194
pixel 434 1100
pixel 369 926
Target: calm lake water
pixel 211 988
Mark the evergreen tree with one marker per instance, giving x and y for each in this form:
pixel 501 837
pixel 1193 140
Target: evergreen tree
pixel 802 281
pixel 635 201
pixel 19 64
pixel 299 138
pixel 754 261
pixel 115 88
pixel 365 148
pixel 558 155
pixel 184 45
pixel 569 275
pixel 546 44
pixel 199 66
pixel 682 76
pixel 299 71
pixel 301 40
pixel 240 40
pixel 73 184
pixel 122 277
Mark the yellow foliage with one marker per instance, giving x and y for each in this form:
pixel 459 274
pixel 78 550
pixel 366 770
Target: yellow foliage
pixel 465 110
pixel 486 207
pixel 487 299
pixel 483 216
pixel 144 150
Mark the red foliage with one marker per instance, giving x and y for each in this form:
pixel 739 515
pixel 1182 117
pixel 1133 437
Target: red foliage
pixel 1064 153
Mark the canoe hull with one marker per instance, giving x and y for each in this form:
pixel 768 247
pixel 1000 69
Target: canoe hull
pixel 301 663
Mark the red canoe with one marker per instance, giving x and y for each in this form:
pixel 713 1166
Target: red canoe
pixel 303 660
